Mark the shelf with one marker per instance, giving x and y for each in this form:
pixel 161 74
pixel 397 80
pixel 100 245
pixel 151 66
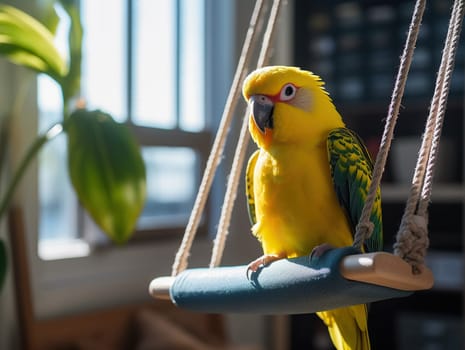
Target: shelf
pixel 441 192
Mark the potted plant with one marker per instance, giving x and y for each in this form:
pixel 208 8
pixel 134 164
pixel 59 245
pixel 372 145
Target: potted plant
pixel 104 160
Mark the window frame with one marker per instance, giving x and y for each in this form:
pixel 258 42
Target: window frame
pixel 64 286
pixel 148 136
pixel 200 142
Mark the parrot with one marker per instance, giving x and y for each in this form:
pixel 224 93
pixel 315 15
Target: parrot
pixel 307 182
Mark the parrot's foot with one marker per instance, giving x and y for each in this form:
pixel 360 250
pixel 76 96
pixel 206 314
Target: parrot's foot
pixel 262 261
pixel 319 250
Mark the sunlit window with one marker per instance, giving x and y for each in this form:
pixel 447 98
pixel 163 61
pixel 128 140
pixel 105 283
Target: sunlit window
pixel 143 62
pixel 58 205
pixel 105 65
pixel 154 63
pixel 170 185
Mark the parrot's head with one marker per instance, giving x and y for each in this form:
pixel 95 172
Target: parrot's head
pixel 288 105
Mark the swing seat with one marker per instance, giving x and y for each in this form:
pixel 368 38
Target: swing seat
pixel 340 277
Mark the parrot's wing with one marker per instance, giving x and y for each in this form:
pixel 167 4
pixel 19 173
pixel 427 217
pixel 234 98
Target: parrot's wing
pixel 351 171
pixel 249 186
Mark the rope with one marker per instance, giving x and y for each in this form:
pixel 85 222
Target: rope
pixel 456 21
pixel 364 229
pixel 241 148
pixel 412 238
pixel 180 262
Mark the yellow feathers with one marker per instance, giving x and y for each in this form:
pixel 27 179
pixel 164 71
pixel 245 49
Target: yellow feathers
pixel 310 99
pixel 347 327
pixel 269 80
pixel 293 202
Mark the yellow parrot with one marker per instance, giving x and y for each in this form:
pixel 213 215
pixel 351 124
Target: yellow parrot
pixel 307 183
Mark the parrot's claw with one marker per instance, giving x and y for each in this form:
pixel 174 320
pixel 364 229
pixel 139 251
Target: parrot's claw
pixel 262 261
pixel 319 250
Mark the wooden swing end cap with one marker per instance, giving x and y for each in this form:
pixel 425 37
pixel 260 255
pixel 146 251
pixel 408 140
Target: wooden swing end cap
pixel 386 270
pixel 159 288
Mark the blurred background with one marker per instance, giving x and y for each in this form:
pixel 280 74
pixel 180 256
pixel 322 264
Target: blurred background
pixel 164 68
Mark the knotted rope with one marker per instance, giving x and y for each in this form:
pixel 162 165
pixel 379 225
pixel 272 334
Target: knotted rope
pixel 364 227
pixel 412 238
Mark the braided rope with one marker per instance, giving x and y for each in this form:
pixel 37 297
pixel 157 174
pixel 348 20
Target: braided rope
pixel 241 149
pixel 456 21
pixel 412 238
pixel 180 262
pixel 364 229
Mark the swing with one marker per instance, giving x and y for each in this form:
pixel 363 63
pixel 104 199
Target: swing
pixel 342 276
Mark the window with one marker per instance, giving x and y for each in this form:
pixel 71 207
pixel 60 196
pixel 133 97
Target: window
pixel 143 62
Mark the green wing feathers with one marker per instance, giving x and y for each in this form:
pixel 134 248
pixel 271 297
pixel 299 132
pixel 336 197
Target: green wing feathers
pixel 351 171
pixel 249 186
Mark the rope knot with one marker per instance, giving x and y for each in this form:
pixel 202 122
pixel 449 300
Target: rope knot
pixel 363 231
pixel 412 241
pixel 419 224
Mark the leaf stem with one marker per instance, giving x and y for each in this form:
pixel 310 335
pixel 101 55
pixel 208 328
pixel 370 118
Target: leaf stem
pixel 40 141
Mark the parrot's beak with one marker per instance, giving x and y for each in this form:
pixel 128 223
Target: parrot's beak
pixel 262 112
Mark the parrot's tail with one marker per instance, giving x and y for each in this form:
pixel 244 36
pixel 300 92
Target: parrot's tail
pixel 348 327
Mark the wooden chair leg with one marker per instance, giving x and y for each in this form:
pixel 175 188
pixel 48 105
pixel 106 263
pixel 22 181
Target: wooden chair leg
pixel 22 280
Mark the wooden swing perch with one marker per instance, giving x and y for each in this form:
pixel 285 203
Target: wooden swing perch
pixel 339 277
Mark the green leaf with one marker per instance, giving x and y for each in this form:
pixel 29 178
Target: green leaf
pixel 72 82
pixel 3 263
pixel 107 171
pixel 27 42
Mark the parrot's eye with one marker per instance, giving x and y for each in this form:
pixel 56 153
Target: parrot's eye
pixel 287 92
